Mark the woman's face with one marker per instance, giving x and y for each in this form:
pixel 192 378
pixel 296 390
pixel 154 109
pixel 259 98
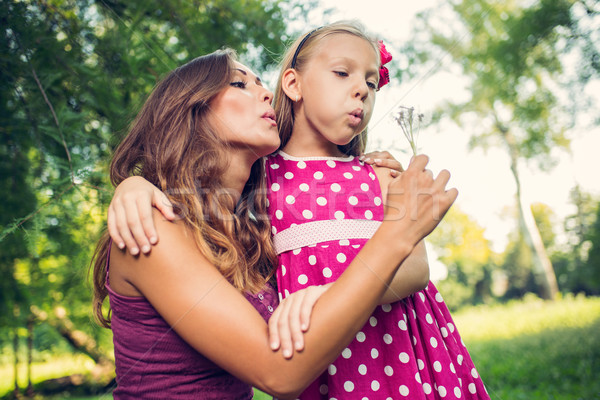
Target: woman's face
pixel 243 116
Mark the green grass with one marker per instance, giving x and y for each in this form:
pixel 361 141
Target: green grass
pixel 524 350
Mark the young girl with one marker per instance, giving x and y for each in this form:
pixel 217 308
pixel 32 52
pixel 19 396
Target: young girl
pixel 325 203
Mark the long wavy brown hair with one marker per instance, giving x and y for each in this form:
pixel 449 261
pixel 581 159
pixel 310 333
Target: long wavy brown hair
pixel 172 145
pixel 284 106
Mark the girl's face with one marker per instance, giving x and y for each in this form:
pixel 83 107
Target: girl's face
pixel 243 115
pixel 338 87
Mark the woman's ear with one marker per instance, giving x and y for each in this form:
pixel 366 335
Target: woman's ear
pixel 290 84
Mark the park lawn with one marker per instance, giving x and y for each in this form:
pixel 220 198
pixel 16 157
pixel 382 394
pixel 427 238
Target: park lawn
pixel 524 350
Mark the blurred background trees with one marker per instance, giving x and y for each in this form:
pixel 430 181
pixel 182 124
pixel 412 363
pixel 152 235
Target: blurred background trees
pixel 74 73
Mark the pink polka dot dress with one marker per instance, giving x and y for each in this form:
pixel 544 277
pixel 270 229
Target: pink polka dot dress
pixel 323 210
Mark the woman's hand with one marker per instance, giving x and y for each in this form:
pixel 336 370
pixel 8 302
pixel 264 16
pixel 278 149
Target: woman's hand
pixel 292 318
pixel 130 221
pixel 383 159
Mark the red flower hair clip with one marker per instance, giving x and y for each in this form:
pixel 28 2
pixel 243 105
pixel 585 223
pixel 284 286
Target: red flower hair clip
pixel 386 57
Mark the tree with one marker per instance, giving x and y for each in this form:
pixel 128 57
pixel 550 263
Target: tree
pixel 511 53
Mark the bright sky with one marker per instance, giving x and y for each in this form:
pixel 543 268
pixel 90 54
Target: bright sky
pixel 483 179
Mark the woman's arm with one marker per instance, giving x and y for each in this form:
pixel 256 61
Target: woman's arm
pixel 215 319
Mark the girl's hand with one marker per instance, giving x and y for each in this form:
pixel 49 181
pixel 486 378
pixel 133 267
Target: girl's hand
pixel 292 318
pixel 418 200
pixel 383 159
pixel 130 221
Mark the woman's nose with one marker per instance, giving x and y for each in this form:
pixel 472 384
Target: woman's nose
pixel 267 95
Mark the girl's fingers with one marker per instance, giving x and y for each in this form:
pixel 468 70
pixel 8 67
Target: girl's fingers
pixel 123 227
pixel 163 204
pixel 113 231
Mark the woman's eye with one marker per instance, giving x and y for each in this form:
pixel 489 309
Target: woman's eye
pixel 238 84
pixel 341 73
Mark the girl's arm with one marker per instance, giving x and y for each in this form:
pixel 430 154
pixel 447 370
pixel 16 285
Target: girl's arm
pixel 215 319
pixel 413 274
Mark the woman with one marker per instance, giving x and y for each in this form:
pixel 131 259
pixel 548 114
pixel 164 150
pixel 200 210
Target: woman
pixel 199 138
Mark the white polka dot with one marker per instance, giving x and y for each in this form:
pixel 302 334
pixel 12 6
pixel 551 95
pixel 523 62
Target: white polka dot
pixel 444 331
pixel 339 215
pixel 474 373
pixel 274 166
pixel 283 270
pixel 433 342
pixel 414 340
pixel 375 386
pixel 332 369
pixel 335 187
pixel 331 163
pixel 327 272
pixel 304 187
pixel 451 327
pixel 274 230
pixel 364 187
pixel 344 242
pixel 438 298
pixel 347 353
pixel 428 318
pixel 418 377
pixel 427 388
pixel 389 371
pixel 386 307
pixel 278 214
pixel 374 353
pixel 360 336
pixel 289 175
pixel 404 390
pixel 371 176
pixel 290 199
pixel 373 321
pixel 459 359
pixel 348 386
pixel 275 187
pixel 377 201
pixel 323 389
pixel 318 175
pixel 302 279
pixel 437 366
pixel 297 251
pixel 452 368
pixel 348 175
pixel 362 369
pixel 307 214
pixel 356 167
pixel 321 201
pixel 353 200
pixel 404 358
pixel 287 292
pixel 341 257
pixel 312 260
pixel 458 392
pixel 368 214
pixel 402 325
pixel 442 391
pixel 472 388
pixel 422 296
pixel 387 338
pixel 420 364
pixel 301 164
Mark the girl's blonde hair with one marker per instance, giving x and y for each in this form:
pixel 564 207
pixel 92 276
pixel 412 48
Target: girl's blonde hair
pixel 284 106
pixel 172 145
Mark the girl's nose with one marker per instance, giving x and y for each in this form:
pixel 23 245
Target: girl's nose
pixel 361 90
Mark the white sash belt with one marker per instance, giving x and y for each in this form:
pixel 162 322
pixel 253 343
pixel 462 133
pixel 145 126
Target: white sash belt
pixel 315 232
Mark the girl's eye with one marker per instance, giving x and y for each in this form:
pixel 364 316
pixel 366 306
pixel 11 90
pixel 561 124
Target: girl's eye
pixel 238 84
pixel 341 73
pixel 372 85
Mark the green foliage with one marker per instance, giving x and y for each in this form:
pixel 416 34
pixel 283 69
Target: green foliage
pixel 535 349
pixel 463 249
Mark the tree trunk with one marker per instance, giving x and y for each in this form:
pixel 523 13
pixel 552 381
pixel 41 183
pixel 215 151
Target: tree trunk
pixel 542 267
pixel 16 364
pixel 29 390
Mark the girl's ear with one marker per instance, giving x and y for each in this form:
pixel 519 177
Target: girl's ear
pixel 290 84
